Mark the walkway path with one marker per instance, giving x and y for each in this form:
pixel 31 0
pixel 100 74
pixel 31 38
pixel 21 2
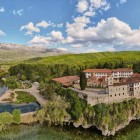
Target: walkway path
pixel 35 92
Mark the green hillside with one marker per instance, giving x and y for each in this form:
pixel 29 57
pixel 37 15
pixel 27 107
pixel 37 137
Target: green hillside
pixel 88 58
pixel 46 68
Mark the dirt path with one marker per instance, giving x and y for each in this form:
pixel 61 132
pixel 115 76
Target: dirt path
pixel 35 92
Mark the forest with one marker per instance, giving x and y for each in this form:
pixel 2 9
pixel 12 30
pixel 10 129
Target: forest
pixel 44 69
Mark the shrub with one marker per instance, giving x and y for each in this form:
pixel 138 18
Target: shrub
pixel 5 120
pixel 16 116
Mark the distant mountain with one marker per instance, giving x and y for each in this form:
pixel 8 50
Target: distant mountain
pixel 16 52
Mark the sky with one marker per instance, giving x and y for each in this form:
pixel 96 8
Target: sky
pixel 79 26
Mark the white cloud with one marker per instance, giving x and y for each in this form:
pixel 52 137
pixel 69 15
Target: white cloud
pixel 90 12
pixel 111 31
pixel 40 41
pixel 63 49
pixel 90 51
pixel 99 3
pixel 82 6
pixel 43 24
pixel 90 7
pixel 2 9
pixel 55 37
pixel 123 1
pixel 2 33
pixel 18 12
pixel 30 28
pixel 35 28
pixel 110 49
pixel 111 35
pixel 77 45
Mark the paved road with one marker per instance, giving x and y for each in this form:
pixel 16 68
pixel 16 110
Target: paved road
pixel 35 92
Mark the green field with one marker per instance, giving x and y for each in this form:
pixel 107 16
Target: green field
pixel 24 97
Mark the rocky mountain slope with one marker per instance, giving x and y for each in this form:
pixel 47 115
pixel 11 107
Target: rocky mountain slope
pixel 16 52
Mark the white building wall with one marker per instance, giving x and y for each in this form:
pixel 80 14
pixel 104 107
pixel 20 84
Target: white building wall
pixel 88 75
pixel 122 74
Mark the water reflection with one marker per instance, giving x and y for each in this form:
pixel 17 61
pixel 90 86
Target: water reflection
pixel 23 107
pixel 42 132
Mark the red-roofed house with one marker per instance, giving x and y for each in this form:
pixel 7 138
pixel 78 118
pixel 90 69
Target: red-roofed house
pixel 99 73
pixel 67 80
pixel 116 73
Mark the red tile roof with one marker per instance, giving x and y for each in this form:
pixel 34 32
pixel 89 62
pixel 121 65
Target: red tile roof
pixel 66 79
pixel 108 70
pixel 135 75
pixel 98 71
pixel 122 70
pixel 133 80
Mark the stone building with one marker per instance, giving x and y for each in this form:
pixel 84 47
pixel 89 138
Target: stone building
pixel 115 73
pixel 130 87
pixel 118 84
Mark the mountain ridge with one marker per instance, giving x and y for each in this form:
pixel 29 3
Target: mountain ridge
pixel 16 52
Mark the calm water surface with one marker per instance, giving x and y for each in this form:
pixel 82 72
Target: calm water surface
pixel 24 108
pixel 42 132
pixel 3 89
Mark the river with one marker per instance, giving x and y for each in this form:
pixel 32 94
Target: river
pixel 42 132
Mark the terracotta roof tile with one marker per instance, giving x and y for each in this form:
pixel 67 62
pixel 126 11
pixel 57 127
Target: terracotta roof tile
pixel 98 71
pixel 122 70
pixel 66 79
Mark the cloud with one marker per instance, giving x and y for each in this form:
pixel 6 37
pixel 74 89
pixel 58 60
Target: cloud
pixel 30 29
pixel 90 7
pixel 40 41
pixel 43 24
pixel 63 49
pixel 123 1
pixel 2 9
pixel 57 25
pixel 110 49
pixel 82 6
pixel 2 33
pixel 77 45
pixel 111 34
pixel 90 51
pixel 90 13
pixel 54 38
pixel 35 28
pixel 18 12
pixel 99 4
pixel 111 31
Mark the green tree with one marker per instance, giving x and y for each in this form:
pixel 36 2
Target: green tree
pixel 23 78
pixel 83 81
pixel 16 116
pixel 56 111
pixel 5 120
pixel 41 115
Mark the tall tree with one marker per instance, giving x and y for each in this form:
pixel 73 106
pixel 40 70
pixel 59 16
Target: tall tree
pixel 83 81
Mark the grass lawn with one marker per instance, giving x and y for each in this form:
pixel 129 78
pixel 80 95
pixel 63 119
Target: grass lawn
pixel 24 97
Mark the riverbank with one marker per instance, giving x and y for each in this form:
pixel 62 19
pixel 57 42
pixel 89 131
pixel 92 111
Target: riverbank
pixel 105 117
pixel 43 132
